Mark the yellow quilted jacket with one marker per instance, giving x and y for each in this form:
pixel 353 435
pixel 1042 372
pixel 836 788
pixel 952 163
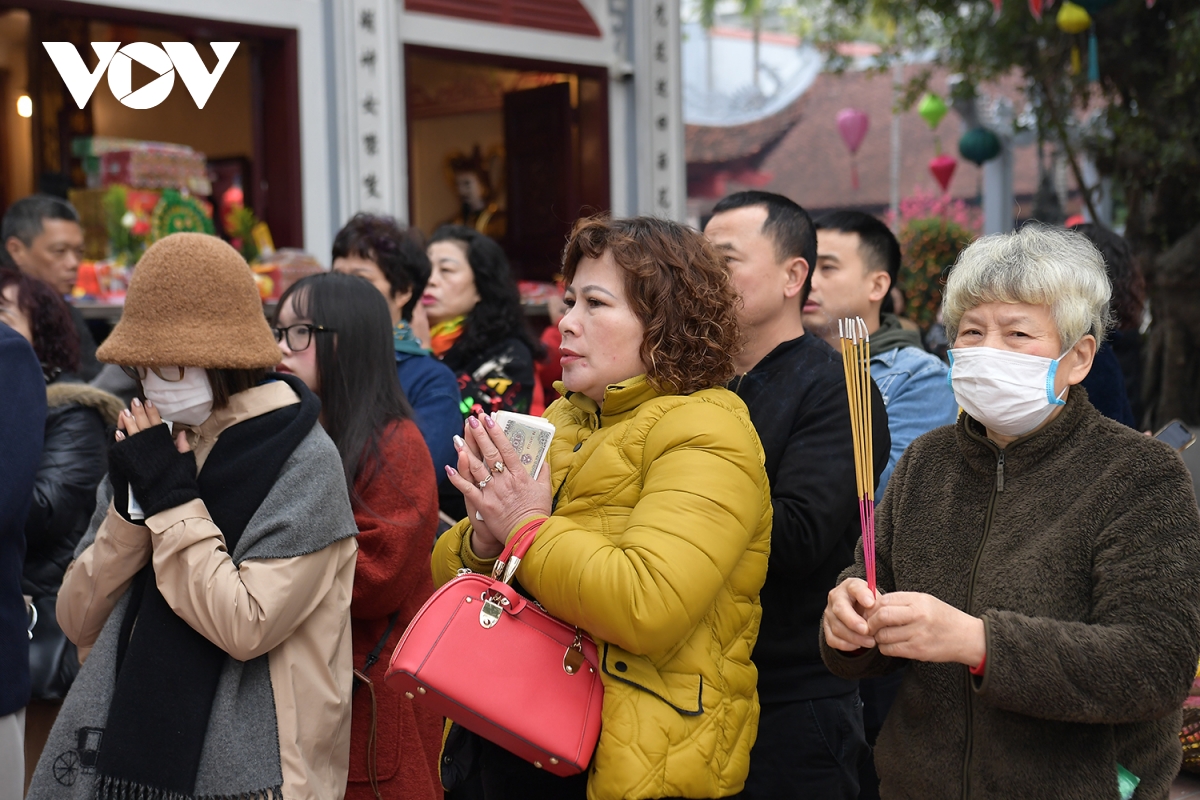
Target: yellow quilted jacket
pixel 658 548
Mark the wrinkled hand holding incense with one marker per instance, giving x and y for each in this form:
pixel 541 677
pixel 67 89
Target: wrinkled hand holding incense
pixel 856 361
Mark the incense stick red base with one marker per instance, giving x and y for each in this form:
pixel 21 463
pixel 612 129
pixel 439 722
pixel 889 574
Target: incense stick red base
pixel 866 515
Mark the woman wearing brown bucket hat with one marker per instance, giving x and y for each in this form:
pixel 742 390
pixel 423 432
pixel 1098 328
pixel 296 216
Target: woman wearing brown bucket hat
pixel 213 585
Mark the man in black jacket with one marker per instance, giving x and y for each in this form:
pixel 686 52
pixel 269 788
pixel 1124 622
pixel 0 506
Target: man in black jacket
pixel 810 735
pixel 22 415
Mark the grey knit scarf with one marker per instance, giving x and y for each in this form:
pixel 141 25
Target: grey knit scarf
pixel 307 510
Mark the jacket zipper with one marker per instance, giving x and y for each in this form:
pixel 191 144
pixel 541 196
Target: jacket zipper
pixel 987 527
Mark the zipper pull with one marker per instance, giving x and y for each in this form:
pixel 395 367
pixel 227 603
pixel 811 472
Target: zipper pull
pixel 1000 473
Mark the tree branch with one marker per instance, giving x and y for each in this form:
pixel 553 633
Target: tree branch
pixel 1061 128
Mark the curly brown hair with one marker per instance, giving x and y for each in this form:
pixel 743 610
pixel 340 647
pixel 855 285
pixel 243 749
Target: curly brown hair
pixel 680 290
pixel 55 340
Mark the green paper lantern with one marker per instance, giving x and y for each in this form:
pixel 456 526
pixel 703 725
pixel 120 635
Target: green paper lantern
pixel 932 109
pixel 979 145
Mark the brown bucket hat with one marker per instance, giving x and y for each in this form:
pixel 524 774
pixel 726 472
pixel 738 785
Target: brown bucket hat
pixel 192 302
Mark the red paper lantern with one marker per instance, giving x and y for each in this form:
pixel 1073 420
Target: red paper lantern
pixel 943 167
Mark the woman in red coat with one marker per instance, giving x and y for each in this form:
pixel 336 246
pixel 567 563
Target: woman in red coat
pixel 334 332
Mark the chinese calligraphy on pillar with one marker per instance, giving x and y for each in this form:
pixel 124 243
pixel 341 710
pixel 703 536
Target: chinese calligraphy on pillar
pixel 660 109
pixel 370 107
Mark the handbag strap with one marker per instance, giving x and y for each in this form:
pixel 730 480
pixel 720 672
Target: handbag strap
pixel 360 677
pixel 515 550
pixel 373 656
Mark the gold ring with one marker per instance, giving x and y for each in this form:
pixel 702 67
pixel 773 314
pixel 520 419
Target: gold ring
pixel 498 467
pixel 483 483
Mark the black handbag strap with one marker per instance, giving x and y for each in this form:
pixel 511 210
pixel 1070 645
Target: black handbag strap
pixel 373 656
pixel 360 676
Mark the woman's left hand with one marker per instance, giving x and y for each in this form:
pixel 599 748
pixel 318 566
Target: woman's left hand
pixel 495 482
pixel 920 627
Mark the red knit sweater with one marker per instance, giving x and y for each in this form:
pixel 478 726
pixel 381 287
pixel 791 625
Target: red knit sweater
pixel 397 519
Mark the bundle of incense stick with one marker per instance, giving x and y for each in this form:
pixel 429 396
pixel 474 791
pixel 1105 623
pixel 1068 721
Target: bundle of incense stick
pixel 856 360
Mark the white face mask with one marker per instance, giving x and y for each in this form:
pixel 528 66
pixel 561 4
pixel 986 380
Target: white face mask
pixel 1010 393
pixel 188 401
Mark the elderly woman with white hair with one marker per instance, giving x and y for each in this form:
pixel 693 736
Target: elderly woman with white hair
pixel 1038 564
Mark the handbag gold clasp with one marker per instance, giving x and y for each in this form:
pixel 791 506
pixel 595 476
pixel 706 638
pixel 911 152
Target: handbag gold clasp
pixel 573 658
pixel 493 607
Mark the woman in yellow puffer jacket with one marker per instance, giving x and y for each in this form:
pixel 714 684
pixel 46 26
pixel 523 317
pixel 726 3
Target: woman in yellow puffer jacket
pixel 657 518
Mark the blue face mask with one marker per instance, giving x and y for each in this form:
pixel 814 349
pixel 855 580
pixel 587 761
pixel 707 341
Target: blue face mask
pixel 1009 393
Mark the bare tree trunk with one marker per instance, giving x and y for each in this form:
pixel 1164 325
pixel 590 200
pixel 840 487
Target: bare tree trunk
pixel 1172 370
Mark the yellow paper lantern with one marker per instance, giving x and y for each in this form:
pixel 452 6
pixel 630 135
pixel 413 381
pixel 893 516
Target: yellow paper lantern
pixel 1073 18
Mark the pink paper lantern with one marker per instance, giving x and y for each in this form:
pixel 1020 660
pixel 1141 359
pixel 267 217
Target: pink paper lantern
pixel 852 125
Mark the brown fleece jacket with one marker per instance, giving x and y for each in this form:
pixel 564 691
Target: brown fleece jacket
pixel 1079 546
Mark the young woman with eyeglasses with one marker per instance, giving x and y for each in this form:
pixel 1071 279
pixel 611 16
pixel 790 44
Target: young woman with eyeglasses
pixel 213 585
pixel 335 333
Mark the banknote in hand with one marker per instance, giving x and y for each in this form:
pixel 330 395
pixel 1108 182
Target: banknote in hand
pixel 530 436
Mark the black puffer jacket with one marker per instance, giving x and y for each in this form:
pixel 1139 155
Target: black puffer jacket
pixel 74 461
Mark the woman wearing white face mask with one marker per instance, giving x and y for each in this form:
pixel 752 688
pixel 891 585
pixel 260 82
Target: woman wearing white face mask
pixel 213 585
pixel 1038 564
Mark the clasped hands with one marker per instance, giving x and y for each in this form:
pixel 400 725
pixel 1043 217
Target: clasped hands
pixel 498 491
pixel 911 625
pixel 161 471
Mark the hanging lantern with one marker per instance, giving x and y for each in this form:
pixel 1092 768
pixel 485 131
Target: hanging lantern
pixel 996 4
pixel 979 145
pixel 932 109
pixel 1093 7
pixel 1035 8
pixel 1073 18
pixel 852 125
pixel 943 168
pixel 1093 58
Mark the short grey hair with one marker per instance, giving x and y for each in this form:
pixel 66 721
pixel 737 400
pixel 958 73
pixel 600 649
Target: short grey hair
pixel 1038 265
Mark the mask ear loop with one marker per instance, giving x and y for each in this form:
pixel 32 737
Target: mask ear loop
pixel 1053 399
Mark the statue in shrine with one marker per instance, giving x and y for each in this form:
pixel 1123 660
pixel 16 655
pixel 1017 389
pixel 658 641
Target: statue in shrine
pixel 478 201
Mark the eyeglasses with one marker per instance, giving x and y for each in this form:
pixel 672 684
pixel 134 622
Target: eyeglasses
pixel 168 374
pixel 299 337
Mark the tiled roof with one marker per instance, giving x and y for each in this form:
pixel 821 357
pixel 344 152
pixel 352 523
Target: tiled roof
pixel 812 166
pixel 709 144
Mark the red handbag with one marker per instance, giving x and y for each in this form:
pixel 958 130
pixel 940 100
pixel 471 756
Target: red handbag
pixel 544 707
